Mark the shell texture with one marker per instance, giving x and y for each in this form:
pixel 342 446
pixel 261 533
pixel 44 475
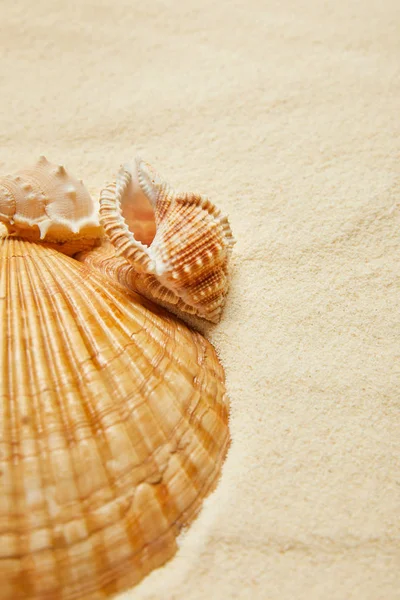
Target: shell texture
pixel 45 203
pixel 180 256
pixel 104 259
pixel 113 424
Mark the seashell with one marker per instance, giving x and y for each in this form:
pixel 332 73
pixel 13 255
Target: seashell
pixel 45 203
pixel 170 247
pixel 113 428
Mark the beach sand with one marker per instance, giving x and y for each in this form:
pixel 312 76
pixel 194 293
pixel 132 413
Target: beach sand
pixel 286 114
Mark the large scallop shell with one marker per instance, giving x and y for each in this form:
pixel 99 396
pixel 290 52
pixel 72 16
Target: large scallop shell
pixel 171 247
pixel 45 203
pixel 113 429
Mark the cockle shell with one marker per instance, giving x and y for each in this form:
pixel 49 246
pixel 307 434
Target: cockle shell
pixel 171 247
pixel 45 203
pixel 113 428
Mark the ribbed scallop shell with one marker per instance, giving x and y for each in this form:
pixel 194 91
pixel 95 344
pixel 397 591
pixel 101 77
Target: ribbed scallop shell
pixel 45 203
pixel 184 262
pixel 113 429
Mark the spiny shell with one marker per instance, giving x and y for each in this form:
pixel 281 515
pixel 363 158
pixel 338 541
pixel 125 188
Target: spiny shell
pixel 113 428
pixel 45 203
pixel 185 264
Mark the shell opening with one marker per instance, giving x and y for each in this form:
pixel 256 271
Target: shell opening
pixel 138 212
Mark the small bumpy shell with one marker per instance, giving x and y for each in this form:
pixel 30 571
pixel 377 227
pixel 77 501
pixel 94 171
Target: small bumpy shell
pixel 183 258
pixel 45 203
pixel 113 428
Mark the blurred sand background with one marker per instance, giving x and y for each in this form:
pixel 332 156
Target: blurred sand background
pixel 287 114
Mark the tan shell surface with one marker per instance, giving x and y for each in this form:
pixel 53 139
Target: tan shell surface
pixel 105 259
pixel 46 203
pixel 113 429
pixel 188 257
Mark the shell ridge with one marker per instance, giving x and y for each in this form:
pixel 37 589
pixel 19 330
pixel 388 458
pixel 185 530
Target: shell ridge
pixel 208 207
pixel 163 349
pixel 62 416
pixel 123 273
pixel 177 437
pixel 8 464
pixel 115 501
pixel 132 342
pixel 115 226
pixel 57 300
pixel 201 252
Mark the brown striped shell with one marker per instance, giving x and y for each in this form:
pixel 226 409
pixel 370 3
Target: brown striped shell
pixel 45 203
pixel 113 428
pixel 171 247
